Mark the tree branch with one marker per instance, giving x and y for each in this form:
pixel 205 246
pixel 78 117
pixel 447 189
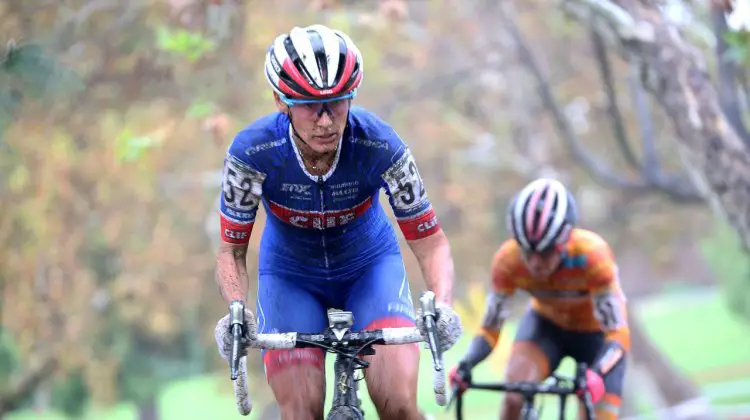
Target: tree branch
pixel 715 157
pixel 613 111
pixel 677 187
pixel 27 384
pixel 645 122
pixel 598 169
pixel 727 73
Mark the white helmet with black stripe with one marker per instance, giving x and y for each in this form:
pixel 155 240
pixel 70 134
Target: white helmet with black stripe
pixel 542 215
pixel 314 62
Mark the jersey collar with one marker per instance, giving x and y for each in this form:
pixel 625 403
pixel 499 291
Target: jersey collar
pixel 298 154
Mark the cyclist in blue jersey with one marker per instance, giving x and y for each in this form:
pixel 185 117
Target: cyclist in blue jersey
pixel 318 165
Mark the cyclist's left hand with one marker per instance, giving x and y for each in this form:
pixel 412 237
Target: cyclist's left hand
pixel 595 386
pixel 223 334
pixel 449 327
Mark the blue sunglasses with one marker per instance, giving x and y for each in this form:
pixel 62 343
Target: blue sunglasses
pixel 292 102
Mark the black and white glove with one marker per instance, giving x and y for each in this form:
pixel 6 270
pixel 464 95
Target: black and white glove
pixel 448 325
pixel 223 334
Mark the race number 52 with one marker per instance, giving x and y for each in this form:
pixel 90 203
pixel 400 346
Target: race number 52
pixel 242 186
pixel 404 182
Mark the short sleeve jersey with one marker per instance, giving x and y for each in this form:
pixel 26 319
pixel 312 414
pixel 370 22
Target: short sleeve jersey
pixel 325 226
pixel 584 294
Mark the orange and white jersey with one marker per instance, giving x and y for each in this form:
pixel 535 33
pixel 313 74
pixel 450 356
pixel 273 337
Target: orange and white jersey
pixel 584 294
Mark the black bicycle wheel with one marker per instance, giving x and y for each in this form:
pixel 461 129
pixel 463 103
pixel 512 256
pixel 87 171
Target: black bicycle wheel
pixel 344 412
pixel 528 412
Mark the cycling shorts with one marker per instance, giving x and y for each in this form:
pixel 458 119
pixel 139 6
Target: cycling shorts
pixel 378 296
pixel 556 343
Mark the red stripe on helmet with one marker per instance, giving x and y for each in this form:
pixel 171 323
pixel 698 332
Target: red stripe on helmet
pixel 298 78
pixel 351 60
pixel 288 91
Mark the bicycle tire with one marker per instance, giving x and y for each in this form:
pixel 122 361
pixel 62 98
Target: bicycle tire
pixel 529 412
pixel 345 412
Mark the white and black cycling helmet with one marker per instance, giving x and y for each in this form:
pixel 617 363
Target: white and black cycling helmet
pixel 542 215
pixel 315 62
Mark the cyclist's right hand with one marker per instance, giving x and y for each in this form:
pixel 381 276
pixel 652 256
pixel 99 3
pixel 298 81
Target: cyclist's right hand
pixel 459 378
pixel 223 334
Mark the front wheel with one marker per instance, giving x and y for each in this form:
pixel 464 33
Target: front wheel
pixel 345 412
pixel 529 412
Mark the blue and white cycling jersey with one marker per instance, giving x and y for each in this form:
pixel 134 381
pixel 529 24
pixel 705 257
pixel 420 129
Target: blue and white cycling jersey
pixel 323 227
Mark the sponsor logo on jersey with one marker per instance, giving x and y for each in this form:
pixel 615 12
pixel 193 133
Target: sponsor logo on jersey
pixel 265 146
pixel 301 189
pixel 425 226
pixel 319 220
pixel 235 234
pixel 370 143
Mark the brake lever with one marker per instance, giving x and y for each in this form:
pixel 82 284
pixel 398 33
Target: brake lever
pixel 427 302
pixel 429 314
pixel 236 325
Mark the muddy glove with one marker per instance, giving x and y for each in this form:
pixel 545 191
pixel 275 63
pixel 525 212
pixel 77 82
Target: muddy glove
pixel 449 327
pixel 223 334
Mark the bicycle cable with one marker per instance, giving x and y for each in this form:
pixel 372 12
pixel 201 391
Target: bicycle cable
pixel 332 349
pixel 364 346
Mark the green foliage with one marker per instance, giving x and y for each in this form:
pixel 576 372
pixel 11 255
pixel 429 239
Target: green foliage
pixel 9 360
pixel 727 258
pixel 148 365
pixel 200 109
pixel 38 73
pixel 189 45
pixel 18 178
pixel 739 46
pixel 27 72
pixel 9 102
pixel 10 364
pixel 71 395
pixel 129 147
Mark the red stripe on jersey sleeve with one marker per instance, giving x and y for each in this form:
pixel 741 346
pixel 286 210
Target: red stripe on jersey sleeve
pixel 420 227
pixel 235 233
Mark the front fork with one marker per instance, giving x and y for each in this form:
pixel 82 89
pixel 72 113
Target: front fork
pixel 346 404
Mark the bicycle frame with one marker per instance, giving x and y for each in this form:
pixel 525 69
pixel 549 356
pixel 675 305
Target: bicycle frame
pixel 345 387
pixel 530 390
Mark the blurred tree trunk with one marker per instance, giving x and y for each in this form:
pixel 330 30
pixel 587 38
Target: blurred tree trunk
pixel 675 73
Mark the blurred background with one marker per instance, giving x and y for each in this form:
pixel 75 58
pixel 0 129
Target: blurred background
pixel 115 117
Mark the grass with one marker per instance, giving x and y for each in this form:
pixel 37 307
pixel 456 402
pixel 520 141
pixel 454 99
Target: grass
pixel 699 334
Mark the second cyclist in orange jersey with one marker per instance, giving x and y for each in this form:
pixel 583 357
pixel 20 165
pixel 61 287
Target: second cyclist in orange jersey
pixel 587 278
pixel 577 307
